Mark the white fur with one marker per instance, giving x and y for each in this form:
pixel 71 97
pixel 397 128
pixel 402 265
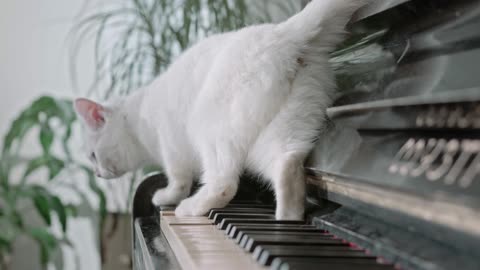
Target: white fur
pixel 254 99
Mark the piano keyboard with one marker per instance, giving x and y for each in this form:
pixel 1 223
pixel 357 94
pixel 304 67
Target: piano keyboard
pixel 247 236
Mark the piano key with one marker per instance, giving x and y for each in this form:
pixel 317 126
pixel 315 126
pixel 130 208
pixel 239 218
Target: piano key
pixel 293 241
pixel 249 242
pixel 214 211
pixel 220 216
pixel 234 232
pixel 249 205
pixel 266 257
pixel 236 201
pixel 296 263
pixel 171 219
pixel 280 250
pixel 166 208
pixel 289 240
pixel 253 234
pixel 233 228
pixel 201 246
pixel 220 260
pixel 223 225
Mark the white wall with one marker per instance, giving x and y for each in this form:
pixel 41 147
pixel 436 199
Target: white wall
pixel 34 52
pixel 33 62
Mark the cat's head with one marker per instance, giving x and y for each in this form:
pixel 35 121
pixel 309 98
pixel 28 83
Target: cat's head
pixel 108 144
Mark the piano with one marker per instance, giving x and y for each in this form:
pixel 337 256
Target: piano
pixel 394 180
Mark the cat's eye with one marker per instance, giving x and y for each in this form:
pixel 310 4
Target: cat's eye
pixel 93 157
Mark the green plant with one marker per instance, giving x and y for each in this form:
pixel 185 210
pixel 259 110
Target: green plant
pixel 21 187
pixel 137 39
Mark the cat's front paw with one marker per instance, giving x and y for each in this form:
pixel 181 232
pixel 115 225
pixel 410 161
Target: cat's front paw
pixel 184 209
pixel 168 196
pixel 191 207
pixel 161 198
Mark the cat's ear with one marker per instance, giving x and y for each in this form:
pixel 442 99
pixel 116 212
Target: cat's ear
pixel 92 113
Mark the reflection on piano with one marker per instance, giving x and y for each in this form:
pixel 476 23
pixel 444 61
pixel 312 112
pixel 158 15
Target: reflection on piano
pixel 394 180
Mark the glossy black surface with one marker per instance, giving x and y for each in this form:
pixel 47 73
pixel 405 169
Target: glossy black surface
pixel 420 47
pixel 213 212
pixel 407 248
pixel 397 149
pixel 218 218
pixel 255 229
pixel 233 229
pixel 298 263
pixel 413 82
pixel 408 122
pixel 265 255
pixel 233 221
pixel 152 250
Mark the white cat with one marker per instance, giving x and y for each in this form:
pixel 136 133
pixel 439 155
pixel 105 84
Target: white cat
pixel 252 99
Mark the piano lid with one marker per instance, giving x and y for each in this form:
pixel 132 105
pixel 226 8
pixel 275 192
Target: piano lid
pixel 404 133
pixel 417 48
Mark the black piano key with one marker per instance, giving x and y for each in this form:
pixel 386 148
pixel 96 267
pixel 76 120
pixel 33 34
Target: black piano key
pixel 233 228
pixel 166 207
pixel 266 257
pixel 313 239
pixel 214 211
pixel 249 205
pixel 220 216
pixel 278 250
pixel 285 231
pixel 243 234
pixel 226 221
pixel 289 228
pixel 236 201
pixel 244 239
pixel 294 263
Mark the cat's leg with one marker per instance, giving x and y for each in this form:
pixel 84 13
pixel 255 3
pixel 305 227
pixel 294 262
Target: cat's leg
pixel 282 147
pixel 180 181
pixel 217 192
pixel 220 182
pixel 283 167
pixel 288 181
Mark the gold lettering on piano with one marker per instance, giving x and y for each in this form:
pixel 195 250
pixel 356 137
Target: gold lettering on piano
pixel 473 170
pixel 434 148
pixel 403 154
pixel 467 150
pixel 449 116
pixel 451 148
pixel 456 162
pixel 476 117
pixel 417 155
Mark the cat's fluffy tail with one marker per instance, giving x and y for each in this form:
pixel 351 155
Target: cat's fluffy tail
pixel 321 21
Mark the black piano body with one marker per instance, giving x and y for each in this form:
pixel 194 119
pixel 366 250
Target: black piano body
pixel 397 168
